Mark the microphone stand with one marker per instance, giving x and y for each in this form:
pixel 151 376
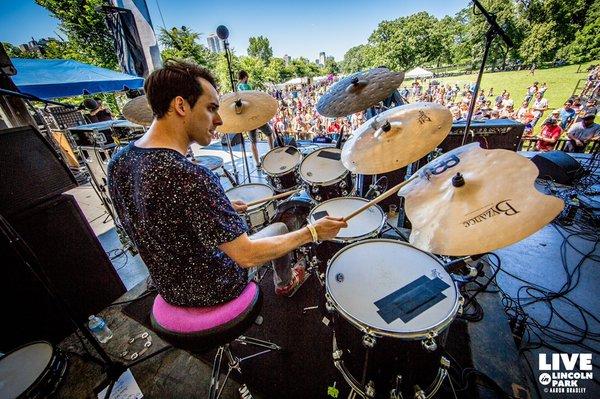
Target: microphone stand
pixel 493 31
pixel 113 369
pixel 234 89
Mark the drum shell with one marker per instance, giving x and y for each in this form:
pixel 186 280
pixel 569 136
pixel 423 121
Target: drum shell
pixel 284 182
pixel 260 216
pixel 341 187
pixel 287 179
pixel 294 211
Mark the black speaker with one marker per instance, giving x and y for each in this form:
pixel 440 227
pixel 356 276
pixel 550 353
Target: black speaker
pixel 236 138
pixel 32 172
pixel 558 166
pixel 489 133
pixel 73 260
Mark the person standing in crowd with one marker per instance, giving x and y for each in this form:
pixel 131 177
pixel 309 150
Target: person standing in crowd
pixel 588 108
pixel 540 105
pixel 566 115
pixel 580 134
pixel 549 135
pixel 531 91
pixel 243 85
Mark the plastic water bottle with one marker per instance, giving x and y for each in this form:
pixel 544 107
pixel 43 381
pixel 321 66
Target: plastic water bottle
pixel 99 328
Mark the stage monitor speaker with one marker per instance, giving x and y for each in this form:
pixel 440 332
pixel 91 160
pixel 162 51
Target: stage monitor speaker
pixel 236 138
pixel 490 134
pixel 73 260
pixel 32 171
pixel 557 166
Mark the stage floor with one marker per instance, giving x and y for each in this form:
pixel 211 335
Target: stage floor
pixel 537 259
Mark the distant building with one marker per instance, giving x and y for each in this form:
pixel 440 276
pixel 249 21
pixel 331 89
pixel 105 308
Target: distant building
pixel 214 43
pixel 322 58
pixel 318 62
pixel 287 59
pixel 36 46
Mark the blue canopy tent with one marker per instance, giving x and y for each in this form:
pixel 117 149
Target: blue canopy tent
pixel 64 78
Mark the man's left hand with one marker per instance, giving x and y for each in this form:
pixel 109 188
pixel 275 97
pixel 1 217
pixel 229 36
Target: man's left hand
pixel 239 206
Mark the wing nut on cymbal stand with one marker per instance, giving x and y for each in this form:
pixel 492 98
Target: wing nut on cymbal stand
pixel 458 180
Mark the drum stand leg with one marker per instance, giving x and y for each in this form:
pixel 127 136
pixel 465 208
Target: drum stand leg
pixel 365 392
pixel 235 173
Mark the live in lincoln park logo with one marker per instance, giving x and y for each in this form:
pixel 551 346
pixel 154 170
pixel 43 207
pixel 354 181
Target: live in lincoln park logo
pixel 564 372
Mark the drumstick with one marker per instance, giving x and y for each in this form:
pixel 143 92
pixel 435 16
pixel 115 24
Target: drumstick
pixel 380 198
pixel 274 197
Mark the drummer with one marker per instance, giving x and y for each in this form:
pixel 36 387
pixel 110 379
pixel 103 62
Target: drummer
pixel 188 233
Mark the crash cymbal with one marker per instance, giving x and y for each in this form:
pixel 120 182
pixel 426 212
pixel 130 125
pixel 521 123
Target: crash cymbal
pixel 245 110
pixel 138 111
pixel 396 137
pixel 491 204
pixel 358 92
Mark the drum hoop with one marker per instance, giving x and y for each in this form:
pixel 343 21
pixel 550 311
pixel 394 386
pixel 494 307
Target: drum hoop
pixel 355 238
pixel 44 372
pixel 430 331
pixel 285 172
pixel 321 183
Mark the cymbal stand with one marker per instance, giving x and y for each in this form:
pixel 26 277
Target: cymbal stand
pixel 235 172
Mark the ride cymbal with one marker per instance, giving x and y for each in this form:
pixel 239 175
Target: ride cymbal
pixel 396 137
pixel 138 111
pixel 358 92
pixel 245 110
pixel 470 201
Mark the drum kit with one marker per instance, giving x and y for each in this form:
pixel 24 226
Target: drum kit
pixel 390 299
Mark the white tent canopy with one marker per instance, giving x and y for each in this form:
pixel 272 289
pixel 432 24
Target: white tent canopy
pixel 418 72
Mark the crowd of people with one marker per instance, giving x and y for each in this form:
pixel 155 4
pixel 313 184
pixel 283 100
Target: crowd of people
pixel 297 114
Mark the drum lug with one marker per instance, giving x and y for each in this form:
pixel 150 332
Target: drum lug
pixel 444 363
pixel 429 343
pixel 343 184
pixel 344 193
pixel 396 393
pixel 314 189
pixel 369 341
pixel 317 198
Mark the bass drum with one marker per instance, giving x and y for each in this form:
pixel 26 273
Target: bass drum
pixel 31 371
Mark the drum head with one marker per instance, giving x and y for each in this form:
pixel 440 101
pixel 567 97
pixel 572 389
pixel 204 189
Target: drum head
pixel 20 369
pixel 363 224
pixel 367 279
pixel 323 166
pixel 250 192
pixel 281 160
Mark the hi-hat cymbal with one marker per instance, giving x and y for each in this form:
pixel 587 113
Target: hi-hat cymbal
pixel 358 92
pixel 245 110
pixel 138 111
pixel 496 205
pixel 396 137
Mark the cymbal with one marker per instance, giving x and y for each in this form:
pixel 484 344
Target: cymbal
pixel 497 205
pixel 396 137
pixel 138 111
pixel 358 92
pixel 255 108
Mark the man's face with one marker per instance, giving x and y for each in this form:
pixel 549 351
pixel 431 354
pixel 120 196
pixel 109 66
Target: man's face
pixel 587 122
pixel 204 116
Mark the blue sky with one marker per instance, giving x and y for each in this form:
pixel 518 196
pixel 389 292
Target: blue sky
pixel 297 28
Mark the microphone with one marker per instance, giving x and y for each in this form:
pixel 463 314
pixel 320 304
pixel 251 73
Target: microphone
pixel 222 32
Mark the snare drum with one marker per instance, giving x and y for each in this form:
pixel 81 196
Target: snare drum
pixel 34 370
pixel 325 175
pixel 281 166
pixel 396 300
pixel 366 224
pixel 259 215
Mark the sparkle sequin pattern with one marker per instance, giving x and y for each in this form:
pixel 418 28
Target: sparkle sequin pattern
pixel 177 214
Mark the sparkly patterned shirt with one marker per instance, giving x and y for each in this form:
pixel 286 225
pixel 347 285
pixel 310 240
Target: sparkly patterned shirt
pixel 177 215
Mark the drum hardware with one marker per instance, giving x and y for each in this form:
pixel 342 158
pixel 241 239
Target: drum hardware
pixel 325 176
pixel 429 344
pixel 281 167
pixel 135 354
pixel 256 216
pixel 396 393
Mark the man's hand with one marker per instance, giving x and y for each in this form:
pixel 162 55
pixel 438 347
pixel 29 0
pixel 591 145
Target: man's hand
pixel 239 206
pixel 329 227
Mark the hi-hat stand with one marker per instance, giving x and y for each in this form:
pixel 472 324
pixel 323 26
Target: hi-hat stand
pixel 493 31
pixel 223 34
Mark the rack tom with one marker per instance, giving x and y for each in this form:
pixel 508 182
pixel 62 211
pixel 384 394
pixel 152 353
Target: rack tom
pixel 325 175
pixel 281 167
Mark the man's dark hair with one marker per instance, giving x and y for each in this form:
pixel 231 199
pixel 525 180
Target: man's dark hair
pixel 175 78
pixel 242 74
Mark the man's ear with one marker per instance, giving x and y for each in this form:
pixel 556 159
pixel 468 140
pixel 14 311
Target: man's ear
pixel 178 105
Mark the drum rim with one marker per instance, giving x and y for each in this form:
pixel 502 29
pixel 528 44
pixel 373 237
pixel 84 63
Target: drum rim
pixel 256 207
pixel 52 360
pixel 349 240
pixel 293 169
pixel 429 332
pixel 322 183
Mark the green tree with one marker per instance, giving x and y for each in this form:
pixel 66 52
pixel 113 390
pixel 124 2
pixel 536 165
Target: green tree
pixel 276 72
pixel 182 43
pixel 586 45
pixel 357 59
pixel 15 52
pixel 331 66
pixel 88 37
pixel 260 48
